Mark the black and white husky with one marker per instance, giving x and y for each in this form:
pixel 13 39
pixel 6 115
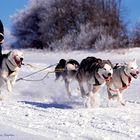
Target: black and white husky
pixel 121 80
pixel 66 69
pixel 9 68
pixel 94 72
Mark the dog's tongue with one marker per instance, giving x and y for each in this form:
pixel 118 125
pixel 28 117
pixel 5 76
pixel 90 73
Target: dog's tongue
pixel 107 78
pixel 19 63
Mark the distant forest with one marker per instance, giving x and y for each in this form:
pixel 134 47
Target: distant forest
pixel 73 25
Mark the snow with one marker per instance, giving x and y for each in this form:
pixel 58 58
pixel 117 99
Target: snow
pixel 42 111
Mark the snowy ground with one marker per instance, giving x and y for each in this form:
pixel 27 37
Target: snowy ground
pixel 42 110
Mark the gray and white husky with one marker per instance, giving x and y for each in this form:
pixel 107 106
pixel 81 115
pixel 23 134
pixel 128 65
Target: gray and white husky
pixel 94 72
pixel 121 80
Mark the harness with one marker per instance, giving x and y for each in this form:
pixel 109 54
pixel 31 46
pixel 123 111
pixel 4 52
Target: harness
pixel 124 85
pixel 5 56
pixel 129 81
pixel 97 83
pixel 9 70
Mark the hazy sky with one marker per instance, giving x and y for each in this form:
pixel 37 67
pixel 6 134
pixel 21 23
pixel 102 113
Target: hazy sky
pixel 9 7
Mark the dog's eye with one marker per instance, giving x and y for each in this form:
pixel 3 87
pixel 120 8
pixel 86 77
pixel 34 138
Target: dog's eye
pixel 132 68
pixel 104 68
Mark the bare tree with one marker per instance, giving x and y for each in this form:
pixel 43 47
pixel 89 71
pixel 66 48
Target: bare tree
pixel 43 23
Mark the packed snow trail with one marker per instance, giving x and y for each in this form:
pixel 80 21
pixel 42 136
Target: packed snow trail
pixel 53 120
pixel 42 109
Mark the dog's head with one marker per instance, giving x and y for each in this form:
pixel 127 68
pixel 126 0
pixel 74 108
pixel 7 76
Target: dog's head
pixel 16 58
pixel 131 69
pixel 105 70
pixel 72 65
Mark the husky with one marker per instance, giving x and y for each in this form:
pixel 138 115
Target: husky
pixel 66 69
pixel 94 72
pixel 121 80
pixel 9 68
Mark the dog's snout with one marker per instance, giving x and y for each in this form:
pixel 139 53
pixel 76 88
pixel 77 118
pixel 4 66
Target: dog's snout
pixel 109 74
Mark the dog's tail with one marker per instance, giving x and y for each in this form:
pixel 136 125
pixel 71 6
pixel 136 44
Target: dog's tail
pixel 60 68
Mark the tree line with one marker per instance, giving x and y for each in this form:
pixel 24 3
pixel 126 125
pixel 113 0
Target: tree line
pixel 72 25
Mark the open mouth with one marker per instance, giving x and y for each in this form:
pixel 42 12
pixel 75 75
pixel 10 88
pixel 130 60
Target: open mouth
pixel 107 78
pixel 134 75
pixel 19 63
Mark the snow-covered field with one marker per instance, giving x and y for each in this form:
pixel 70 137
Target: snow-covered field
pixel 42 111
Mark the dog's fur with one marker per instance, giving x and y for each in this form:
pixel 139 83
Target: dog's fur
pixel 9 68
pixel 66 69
pixel 121 80
pixel 1 38
pixel 94 72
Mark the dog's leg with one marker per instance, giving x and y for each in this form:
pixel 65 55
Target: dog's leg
pixel 83 94
pixel 5 78
pixel 120 98
pixel 92 100
pixel 13 81
pixel 87 102
pixel 9 86
pixel 67 85
pixel 110 95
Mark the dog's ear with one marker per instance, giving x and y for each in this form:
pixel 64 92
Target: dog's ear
pixel 9 53
pixel 109 62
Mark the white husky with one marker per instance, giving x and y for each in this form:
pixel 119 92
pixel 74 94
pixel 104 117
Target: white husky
pixel 121 80
pixel 9 68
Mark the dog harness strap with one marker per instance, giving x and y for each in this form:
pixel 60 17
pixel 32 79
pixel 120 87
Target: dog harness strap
pixel 124 85
pixel 9 70
pixel 11 63
pixel 113 90
pixel 97 83
pixel 129 78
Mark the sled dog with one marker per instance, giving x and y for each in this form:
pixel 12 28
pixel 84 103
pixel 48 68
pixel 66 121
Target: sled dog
pixel 67 70
pixel 9 68
pixel 94 72
pixel 121 80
